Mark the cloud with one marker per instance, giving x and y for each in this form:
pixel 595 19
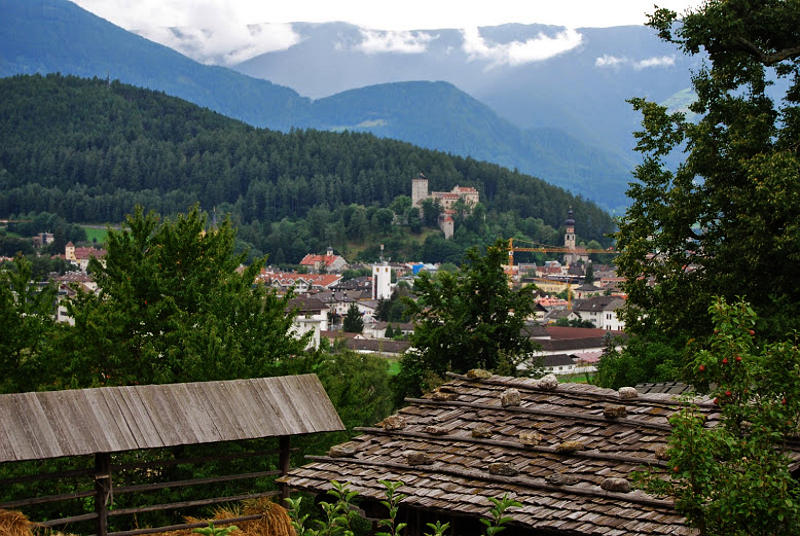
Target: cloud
pixel 538 48
pixel 657 61
pixel 606 61
pixel 225 43
pixel 404 42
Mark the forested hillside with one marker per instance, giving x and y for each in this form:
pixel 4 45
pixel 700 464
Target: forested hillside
pixel 90 150
pixel 57 36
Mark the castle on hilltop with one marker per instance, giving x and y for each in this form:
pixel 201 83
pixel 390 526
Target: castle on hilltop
pixel 419 193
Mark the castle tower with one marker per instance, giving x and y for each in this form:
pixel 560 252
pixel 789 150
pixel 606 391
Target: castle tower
pixel 419 190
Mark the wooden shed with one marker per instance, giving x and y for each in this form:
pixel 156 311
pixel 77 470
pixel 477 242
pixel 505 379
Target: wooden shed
pixel 565 451
pixel 104 421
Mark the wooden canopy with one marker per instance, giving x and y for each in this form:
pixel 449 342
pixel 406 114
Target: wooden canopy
pixel 35 426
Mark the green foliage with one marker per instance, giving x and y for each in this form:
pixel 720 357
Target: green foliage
pixel 589 277
pixel 438 528
pixel 574 323
pixel 495 523
pixel 211 530
pixel 26 314
pixel 465 320
pixel 352 322
pixel 173 308
pixel 32 223
pixel 392 504
pixel 352 274
pixel 357 384
pixel 641 360
pixel 733 478
pixel 725 222
pixel 339 515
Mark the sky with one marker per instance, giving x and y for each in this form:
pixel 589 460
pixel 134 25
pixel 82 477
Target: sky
pixel 383 15
pixel 225 31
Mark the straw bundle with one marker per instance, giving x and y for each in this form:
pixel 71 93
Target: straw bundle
pixel 14 523
pixel 274 520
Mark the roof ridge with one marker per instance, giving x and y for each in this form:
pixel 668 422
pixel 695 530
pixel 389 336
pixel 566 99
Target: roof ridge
pixel 635 496
pixel 516 445
pixel 566 388
pixel 551 413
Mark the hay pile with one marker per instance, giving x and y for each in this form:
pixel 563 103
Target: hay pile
pixel 274 520
pixel 14 524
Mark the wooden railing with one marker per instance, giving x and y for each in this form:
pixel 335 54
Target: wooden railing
pixel 102 476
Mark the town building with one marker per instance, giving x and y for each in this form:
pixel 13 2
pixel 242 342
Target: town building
pixel 601 311
pixel 79 256
pixel 328 263
pixel 382 281
pixel 301 283
pixel 311 316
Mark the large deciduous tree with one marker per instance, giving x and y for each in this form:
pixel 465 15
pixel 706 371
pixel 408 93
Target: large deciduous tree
pixel 172 306
pixel 464 320
pixel 726 222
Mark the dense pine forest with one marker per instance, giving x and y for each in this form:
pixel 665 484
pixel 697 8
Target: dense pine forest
pixel 90 150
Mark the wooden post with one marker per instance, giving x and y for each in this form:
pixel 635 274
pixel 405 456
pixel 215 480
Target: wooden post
pixel 283 463
pixel 102 489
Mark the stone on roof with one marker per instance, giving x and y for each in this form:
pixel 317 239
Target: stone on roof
pixel 558 451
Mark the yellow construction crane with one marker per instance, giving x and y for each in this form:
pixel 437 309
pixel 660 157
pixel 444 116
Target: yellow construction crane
pixel 551 249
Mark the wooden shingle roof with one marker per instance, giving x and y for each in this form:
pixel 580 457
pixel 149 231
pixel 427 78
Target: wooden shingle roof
pixel 113 419
pixel 554 452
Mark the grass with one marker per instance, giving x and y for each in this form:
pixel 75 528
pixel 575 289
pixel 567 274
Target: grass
pixel 394 367
pixel 94 234
pixel 576 378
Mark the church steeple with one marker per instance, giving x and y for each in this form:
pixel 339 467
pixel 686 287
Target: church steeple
pixel 569 234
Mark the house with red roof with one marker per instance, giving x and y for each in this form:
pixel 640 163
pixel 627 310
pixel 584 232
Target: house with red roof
pixel 328 263
pixel 79 256
pixel 301 283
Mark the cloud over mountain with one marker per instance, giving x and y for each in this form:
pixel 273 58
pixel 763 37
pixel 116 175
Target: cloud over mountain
pixel 227 44
pixel 607 60
pixel 404 42
pixel 538 48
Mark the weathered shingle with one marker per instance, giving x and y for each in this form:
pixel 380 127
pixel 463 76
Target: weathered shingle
pixel 560 469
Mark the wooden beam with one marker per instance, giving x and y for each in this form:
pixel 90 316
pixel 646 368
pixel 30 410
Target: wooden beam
pixel 192 482
pixel 184 526
pixel 572 415
pixel 67 520
pixel 521 481
pixel 633 460
pixel 611 398
pixel 45 476
pixel 198 459
pixel 283 463
pixel 187 504
pixel 102 487
pixel 47 499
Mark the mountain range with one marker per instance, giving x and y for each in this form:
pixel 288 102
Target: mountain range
pixel 563 119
